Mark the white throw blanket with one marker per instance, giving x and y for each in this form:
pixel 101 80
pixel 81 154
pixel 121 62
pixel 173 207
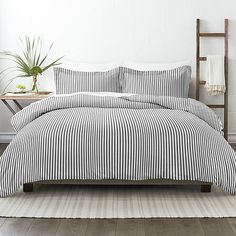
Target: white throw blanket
pixel 215 76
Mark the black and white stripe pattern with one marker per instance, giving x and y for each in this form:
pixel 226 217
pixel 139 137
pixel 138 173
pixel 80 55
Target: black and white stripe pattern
pixel 69 81
pixel 136 137
pixel 174 82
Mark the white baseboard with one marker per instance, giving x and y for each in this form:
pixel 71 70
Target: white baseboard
pixel 232 138
pixel 7 137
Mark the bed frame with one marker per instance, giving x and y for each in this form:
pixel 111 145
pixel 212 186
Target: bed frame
pixel 204 186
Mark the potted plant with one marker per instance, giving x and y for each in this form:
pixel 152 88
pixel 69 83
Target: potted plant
pixel 31 62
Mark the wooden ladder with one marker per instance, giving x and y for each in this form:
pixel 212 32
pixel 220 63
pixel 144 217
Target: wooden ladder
pixel 199 59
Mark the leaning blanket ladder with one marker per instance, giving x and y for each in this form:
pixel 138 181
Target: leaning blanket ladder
pixel 199 82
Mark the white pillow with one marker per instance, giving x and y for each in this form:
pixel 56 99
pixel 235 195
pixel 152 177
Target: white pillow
pixel 88 67
pixel 154 66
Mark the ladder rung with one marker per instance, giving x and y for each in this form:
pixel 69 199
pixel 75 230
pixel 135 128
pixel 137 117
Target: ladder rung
pixel 202 58
pixel 212 34
pixel 202 82
pixel 216 106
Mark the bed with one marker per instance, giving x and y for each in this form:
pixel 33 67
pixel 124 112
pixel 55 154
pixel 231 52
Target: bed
pixel 126 132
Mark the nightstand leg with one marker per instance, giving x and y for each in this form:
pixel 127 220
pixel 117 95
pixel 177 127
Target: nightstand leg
pixel 9 107
pixel 18 104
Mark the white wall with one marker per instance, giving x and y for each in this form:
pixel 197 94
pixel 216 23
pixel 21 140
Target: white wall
pixel 100 31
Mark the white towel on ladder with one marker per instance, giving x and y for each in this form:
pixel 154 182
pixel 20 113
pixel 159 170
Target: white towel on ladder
pixel 215 75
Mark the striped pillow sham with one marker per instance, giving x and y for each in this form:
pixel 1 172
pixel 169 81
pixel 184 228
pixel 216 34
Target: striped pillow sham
pixel 69 81
pixel 173 82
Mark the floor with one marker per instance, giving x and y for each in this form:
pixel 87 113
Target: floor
pixel 117 227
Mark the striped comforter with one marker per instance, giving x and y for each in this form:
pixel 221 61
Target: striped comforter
pixel 117 136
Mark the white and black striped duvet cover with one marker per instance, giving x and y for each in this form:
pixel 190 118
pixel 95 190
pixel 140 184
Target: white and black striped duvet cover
pixel 127 137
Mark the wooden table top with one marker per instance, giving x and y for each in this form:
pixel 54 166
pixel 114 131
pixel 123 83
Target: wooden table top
pixel 29 96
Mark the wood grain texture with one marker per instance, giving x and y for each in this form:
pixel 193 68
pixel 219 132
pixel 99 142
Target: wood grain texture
pixel 43 227
pixel 183 227
pixel 154 227
pixel 226 68
pixel 125 227
pixel 190 227
pixel 25 97
pixel 200 58
pixel 232 223
pixel 216 106
pixel 212 34
pixel 101 228
pixel 216 227
pixel 130 227
pixel 197 57
pixel 3 146
pixel 15 226
pixel 233 145
pixel 72 227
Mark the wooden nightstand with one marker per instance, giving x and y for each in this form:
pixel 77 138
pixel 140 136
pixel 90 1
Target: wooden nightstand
pixel 21 97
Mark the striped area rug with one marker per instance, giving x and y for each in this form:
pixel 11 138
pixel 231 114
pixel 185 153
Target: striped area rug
pixel 118 202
